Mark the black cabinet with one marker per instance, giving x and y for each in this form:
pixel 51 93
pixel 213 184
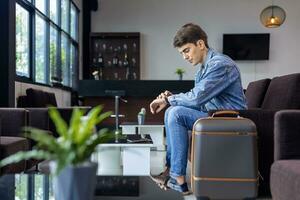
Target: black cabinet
pixel 114 56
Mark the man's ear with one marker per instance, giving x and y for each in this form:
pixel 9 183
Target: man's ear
pixel 200 43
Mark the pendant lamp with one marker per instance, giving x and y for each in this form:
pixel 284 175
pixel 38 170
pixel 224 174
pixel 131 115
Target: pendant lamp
pixel 272 16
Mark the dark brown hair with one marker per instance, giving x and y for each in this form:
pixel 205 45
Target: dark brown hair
pixel 189 33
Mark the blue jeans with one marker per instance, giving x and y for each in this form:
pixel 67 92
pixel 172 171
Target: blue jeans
pixel 178 121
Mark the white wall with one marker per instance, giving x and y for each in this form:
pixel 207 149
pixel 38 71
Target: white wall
pixel 158 20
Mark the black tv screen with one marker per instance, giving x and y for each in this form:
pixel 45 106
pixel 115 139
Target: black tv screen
pixel 247 46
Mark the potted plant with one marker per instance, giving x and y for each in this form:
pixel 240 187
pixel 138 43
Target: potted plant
pixel 74 173
pixel 180 72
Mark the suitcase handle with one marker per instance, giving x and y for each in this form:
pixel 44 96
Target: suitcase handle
pixel 226 113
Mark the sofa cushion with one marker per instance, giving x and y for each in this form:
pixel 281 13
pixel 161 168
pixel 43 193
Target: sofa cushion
pixel 9 146
pixel 22 102
pixel 39 98
pixel 51 99
pixel 283 93
pixel 36 98
pixel 285 179
pixel 13 119
pixel 287 135
pixel 255 92
pixel 38 118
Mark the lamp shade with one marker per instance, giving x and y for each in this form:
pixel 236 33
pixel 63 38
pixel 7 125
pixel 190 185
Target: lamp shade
pixel 272 16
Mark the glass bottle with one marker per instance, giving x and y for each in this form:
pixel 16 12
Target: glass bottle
pixel 115 60
pixel 100 60
pixel 126 65
pixel 100 65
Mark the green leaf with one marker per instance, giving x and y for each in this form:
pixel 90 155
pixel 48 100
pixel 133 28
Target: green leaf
pixel 25 155
pixel 43 139
pixel 60 124
pixel 103 116
pixel 88 125
pixel 75 144
pixel 75 123
pixel 103 136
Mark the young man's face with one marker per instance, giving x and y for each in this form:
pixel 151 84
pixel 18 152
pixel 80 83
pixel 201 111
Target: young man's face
pixel 193 53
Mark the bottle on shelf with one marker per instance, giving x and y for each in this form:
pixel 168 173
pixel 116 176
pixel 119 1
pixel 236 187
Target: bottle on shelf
pixel 126 65
pixel 109 63
pixel 100 60
pixel 115 60
pixel 95 75
pixel 96 46
pixel 110 49
pixel 134 47
pixel 100 65
pixel 125 47
pixel 94 61
pixel 116 76
pixel 128 74
pixel 134 76
pixel 120 64
pixel 133 62
pixel 104 47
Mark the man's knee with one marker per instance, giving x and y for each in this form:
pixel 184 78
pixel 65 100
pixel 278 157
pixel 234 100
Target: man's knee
pixel 175 112
pixel 168 111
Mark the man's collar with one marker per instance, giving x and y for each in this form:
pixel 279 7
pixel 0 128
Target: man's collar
pixel 207 57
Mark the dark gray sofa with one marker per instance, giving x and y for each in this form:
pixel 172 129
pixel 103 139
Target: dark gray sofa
pixel 36 99
pixel 285 171
pixel 12 120
pixel 283 92
pixel 11 140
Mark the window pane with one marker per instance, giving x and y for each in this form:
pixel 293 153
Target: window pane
pixel 74 22
pixel 22 41
pixel 21 186
pixel 73 68
pixel 40 50
pixel 65 14
pixel 38 187
pixel 53 11
pixel 53 54
pixel 41 5
pixel 65 60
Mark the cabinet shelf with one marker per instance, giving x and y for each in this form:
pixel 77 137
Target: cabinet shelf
pixel 114 56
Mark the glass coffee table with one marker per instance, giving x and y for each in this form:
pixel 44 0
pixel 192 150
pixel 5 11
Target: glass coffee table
pixel 155 130
pixel 120 158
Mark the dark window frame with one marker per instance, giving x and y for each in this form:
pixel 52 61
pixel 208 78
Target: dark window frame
pixel 33 11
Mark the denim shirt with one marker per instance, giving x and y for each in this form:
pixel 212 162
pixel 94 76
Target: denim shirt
pixel 217 86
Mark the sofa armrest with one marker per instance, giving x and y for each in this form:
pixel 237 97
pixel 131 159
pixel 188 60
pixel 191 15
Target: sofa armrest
pixel 287 135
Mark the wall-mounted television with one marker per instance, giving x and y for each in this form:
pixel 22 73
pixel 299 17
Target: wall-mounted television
pixel 247 46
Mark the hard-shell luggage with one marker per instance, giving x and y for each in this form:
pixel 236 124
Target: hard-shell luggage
pixel 224 158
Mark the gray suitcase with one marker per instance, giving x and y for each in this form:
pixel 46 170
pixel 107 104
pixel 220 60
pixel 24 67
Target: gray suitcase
pixel 224 158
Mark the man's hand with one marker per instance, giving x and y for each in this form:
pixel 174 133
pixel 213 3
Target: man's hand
pixel 164 94
pixel 157 105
